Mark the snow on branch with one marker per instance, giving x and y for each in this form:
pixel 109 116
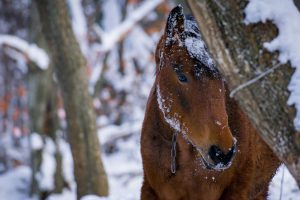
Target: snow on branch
pixel 30 51
pixel 113 132
pixel 286 17
pixel 79 24
pixel 111 38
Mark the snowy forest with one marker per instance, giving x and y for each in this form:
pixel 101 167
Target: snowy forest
pixel 75 76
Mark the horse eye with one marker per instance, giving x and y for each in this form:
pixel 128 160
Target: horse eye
pixel 182 78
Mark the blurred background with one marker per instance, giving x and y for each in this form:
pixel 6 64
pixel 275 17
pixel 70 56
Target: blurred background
pixel 118 40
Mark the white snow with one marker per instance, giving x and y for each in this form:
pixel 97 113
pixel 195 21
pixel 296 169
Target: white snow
pixel 196 49
pixel 36 141
pixel 112 132
pixel 196 46
pixel 165 107
pixel 67 162
pixel 32 51
pixel 124 169
pixel 91 197
pixel 286 17
pixel 114 30
pixel 79 24
pixel 15 184
pixel 111 38
pixel 290 190
pixel 46 175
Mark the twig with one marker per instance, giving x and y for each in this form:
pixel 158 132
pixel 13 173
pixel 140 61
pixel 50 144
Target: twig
pixel 252 81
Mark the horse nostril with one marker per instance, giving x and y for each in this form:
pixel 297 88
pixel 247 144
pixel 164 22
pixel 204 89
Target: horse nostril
pixel 218 156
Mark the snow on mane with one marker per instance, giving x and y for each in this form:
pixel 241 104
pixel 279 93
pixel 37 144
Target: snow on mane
pixel 196 46
pixel 196 49
pixel 286 17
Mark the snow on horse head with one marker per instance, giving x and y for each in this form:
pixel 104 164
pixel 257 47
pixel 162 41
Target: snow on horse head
pixel 195 139
pixel 191 93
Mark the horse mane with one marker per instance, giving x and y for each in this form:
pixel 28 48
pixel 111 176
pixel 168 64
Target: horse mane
pixel 196 49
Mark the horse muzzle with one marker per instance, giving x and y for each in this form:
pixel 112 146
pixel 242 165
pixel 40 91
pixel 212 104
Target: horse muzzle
pixel 216 159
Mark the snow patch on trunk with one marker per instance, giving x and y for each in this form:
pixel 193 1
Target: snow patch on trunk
pixel 286 17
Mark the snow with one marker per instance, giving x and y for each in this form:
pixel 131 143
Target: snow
pixel 114 31
pixel 111 38
pixel 165 107
pixel 91 197
pixel 34 53
pixel 112 132
pixel 290 191
pixel 196 46
pixel 15 184
pixel 67 162
pixel 287 19
pixel 124 169
pixel 46 175
pixel 36 141
pixel 79 24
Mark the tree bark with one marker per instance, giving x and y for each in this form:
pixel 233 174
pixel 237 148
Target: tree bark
pixel 69 65
pixel 42 110
pixel 240 56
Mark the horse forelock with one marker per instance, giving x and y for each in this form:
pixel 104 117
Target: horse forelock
pixel 196 48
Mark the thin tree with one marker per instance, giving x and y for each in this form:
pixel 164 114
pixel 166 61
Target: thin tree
pixel 70 68
pixel 237 50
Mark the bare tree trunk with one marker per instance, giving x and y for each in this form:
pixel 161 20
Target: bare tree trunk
pixel 42 110
pixel 69 65
pixel 238 50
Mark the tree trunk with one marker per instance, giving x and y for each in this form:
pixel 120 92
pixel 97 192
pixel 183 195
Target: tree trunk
pixel 239 53
pixel 42 110
pixel 69 65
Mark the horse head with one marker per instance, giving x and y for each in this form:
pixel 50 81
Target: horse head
pixel 191 92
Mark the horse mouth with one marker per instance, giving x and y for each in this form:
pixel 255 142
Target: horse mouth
pixel 217 167
pixel 211 164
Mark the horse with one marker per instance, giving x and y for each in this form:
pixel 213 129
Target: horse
pixel 196 142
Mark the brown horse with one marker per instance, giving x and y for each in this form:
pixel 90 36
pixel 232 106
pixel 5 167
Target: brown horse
pixel 196 142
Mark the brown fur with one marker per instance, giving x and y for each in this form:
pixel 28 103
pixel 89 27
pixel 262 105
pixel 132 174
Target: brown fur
pixel 253 165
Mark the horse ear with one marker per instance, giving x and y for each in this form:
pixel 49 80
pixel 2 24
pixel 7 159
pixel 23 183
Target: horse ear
pixel 175 25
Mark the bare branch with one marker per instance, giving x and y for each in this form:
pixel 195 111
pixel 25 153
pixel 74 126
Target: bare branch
pixel 255 79
pixel 31 51
pixel 111 38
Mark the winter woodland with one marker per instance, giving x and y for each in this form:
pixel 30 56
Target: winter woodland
pixel 117 39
